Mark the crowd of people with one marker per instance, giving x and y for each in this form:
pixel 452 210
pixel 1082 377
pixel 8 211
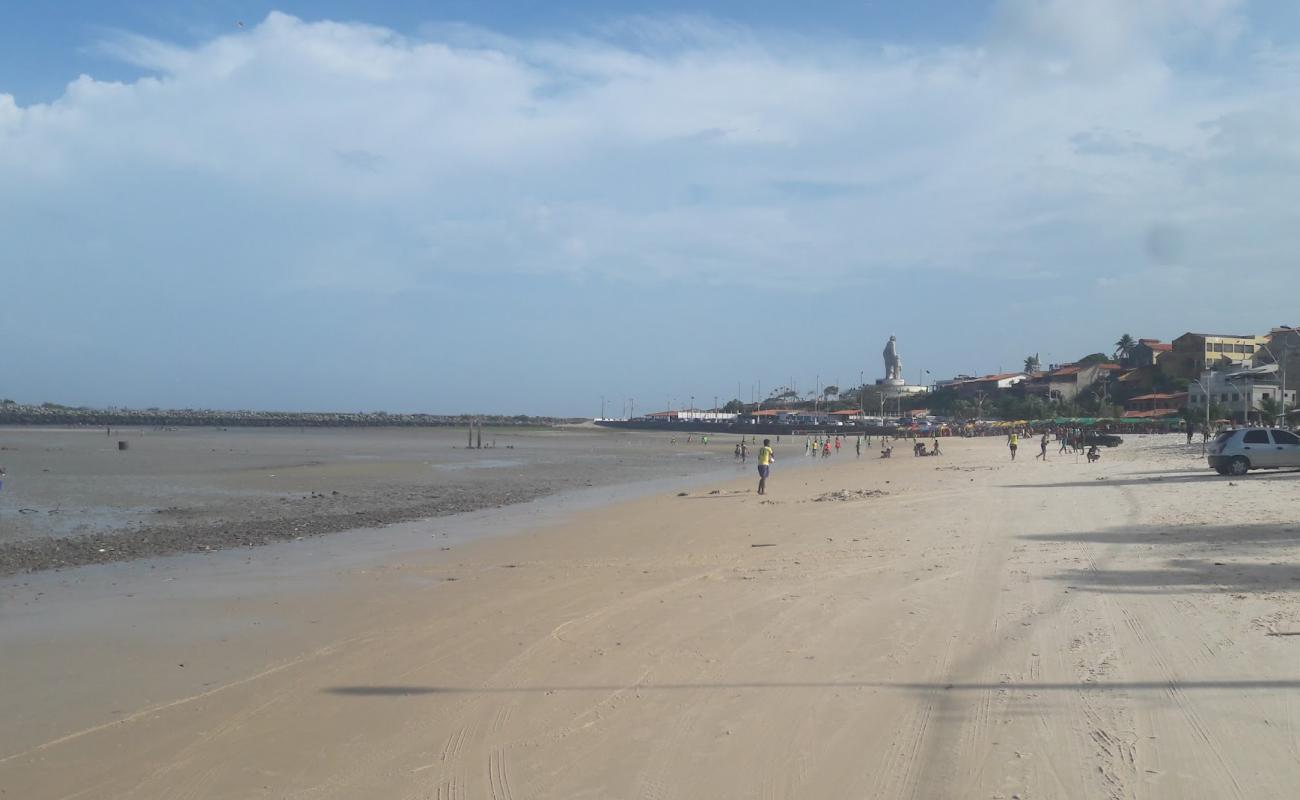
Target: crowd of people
pixel 1070 440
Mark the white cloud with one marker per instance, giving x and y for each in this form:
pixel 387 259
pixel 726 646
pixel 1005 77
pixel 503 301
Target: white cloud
pixel 344 155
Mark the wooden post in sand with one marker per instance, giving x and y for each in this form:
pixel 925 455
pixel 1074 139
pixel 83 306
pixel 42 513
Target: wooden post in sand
pixel 470 444
pixel 479 425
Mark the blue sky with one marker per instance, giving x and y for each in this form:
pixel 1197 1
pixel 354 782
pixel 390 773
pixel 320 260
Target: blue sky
pixel 505 207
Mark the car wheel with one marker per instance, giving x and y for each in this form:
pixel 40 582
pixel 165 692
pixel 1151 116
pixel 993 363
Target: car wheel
pixel 1221 470
pixel 1239 466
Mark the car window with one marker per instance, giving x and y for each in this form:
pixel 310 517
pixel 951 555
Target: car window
pixel 1222 438
pixel 1285 437
pixel 1256 437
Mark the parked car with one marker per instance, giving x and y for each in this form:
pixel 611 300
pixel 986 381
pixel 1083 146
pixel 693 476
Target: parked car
pixel 1238 451
pixel 1101 439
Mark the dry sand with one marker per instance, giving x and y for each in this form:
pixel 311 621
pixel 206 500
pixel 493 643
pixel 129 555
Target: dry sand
pixel 981 629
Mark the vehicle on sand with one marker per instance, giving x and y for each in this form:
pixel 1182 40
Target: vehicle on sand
pixel 1238 451
pixel 1102 439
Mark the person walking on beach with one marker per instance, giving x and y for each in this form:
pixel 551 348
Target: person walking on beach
pixel 744 452
pixel 737 451
pixel 1064 436
pixel 857 445
pixel 765 459
pixel 1013 442
pixel 1042 447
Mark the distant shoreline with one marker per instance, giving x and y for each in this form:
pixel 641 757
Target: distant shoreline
pixel 50 414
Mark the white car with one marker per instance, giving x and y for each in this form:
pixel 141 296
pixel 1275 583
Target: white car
pixel 1237 451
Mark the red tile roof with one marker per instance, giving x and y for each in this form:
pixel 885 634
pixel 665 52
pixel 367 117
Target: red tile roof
pixel 1159 396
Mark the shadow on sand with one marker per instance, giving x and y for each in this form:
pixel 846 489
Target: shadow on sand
pixel 1201 558
pixel 1207 477
pixel 1092 686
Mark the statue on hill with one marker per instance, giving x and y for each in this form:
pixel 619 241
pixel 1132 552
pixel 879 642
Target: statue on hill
pixel 893 362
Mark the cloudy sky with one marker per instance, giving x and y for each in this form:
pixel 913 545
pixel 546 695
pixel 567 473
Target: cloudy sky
pixel 498 207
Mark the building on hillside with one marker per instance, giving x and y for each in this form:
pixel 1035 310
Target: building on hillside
pixel 1283 348
pixel 1194 353
pixel 1135 381
pixel 1147 353
pixel 989 384
pixel 1068 381
pixel 952 382
pixel 1155 405
pixel 1239 392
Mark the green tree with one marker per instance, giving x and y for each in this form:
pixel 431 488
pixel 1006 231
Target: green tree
pixel 1124 347
pixel 1269 410
pixel 1093 358
pixel 1217 411
pixel 733 407
pixel 1032 364
pixel 830 391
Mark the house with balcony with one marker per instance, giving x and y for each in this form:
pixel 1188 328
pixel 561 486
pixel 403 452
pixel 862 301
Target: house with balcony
pixel 1155 405
pixel 1068 381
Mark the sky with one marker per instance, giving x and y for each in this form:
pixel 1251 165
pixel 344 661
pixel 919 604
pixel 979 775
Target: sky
pixel 521 207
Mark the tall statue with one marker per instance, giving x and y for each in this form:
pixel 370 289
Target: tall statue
pixel 893 362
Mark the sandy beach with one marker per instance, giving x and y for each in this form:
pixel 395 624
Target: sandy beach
pixel 961 626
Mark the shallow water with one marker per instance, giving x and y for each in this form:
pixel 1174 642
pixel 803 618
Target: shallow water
pixel 64 482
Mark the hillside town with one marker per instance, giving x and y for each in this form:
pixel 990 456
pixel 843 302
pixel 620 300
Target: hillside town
pixel 1197 380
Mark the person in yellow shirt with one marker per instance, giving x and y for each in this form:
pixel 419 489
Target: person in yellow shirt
pixel 765 459
pixel 1014 443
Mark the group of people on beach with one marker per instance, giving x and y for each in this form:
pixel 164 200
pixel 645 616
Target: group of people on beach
pixel 1072 440
pixel 821 446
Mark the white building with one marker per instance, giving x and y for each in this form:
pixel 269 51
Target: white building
pixel 1240 390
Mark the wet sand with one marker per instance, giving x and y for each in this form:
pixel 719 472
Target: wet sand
pixel 958 626
pixel 72 497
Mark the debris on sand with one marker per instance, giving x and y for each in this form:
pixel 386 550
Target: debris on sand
pixel 849 494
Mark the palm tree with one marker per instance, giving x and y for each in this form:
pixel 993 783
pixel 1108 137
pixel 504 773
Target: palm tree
pixel 1124 347
pixel 1269 409
pixel 1032 364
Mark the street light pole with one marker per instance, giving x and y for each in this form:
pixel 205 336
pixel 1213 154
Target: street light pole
pixel 1286 347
